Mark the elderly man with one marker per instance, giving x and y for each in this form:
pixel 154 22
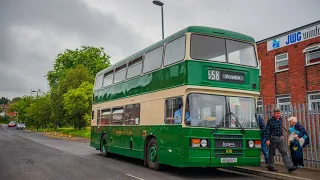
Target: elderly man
pixel 274 137
pixel 297 144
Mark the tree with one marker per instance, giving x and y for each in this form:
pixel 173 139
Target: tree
pixel 73 79
pixel 77 102
pixel 1 109
pixel 93 58
pixel 40 112
pixel 16 99
pixel 20 107
pixel 4 100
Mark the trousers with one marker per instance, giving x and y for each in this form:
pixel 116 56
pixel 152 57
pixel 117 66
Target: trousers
pixel 278 143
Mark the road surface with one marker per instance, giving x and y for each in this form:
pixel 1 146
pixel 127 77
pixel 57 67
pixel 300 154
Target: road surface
pixel 33 156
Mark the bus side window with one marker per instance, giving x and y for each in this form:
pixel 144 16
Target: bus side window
pixel 98 117
pixel 117 115
pixel 173 106
pixel 105 117
pixel 132 114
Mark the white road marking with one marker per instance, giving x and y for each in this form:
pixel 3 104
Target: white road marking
pixel 134 176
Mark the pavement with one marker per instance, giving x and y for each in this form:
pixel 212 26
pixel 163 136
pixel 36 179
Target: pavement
pixel 299 174
pixel 36 156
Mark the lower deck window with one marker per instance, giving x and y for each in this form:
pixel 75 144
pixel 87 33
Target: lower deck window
pixel 132 114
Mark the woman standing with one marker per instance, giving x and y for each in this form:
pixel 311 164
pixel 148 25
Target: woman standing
pixel 300 140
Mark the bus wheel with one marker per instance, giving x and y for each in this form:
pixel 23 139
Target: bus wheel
pixel 152 154
pixel 104 145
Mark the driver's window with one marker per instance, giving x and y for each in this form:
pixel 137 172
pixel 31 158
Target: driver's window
pixel 173 110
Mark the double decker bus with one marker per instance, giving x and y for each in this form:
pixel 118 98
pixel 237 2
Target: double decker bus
pixel 188 100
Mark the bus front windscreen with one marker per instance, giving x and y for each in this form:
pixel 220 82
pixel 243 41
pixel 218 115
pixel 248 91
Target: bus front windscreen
pixel 207 110
pixel 222 50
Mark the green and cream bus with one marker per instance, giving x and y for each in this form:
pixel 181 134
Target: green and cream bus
pixel 186 101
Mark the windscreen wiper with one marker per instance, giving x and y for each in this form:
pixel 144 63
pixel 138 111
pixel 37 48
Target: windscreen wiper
pixel 224 118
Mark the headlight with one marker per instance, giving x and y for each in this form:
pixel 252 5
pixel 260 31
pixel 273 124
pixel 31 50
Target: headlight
pixel 201 143
pixel 251 144
pixel 204 143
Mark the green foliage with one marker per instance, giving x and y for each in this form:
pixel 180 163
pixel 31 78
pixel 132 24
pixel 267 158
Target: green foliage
pixel 95 59
pixel 21 107
pixel 4 100
pixel 16 99
pixel 75 77
pixel 77 103
pixel 69 100
pixel 1 109
pixel 39 111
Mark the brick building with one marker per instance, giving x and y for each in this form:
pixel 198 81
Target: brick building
pixel 290 67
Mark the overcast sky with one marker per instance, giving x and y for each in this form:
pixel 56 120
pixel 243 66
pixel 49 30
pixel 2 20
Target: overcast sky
pixel 33 32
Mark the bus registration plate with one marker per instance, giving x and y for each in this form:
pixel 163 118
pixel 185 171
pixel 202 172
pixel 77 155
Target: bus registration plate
pixel 228 160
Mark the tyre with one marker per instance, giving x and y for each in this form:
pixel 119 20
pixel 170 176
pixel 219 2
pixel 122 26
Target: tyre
pixel 104 145
pixel 152 154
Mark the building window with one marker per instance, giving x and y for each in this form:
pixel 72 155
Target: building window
pixel 132 114
pixel 259 107
pixel 284 103
pixel 314 102
pixel 312 54
pixel 259 61
pixel 281 62
pixel 172 108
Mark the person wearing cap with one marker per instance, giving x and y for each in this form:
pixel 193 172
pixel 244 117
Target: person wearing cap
pixel 298 139
pixel 275 140
pixel 178 114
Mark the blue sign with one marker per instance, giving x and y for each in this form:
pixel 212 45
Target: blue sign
pixel 294 37
pixel 275 43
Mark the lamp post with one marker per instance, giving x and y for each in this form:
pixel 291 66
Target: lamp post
pixel 159 3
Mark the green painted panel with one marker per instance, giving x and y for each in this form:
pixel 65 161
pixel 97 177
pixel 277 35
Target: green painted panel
pixel 133 87
pixel 119 91
pixel 198 75
pixel 174 75
pixel 174 144
pixel 151 82
pixel 184 73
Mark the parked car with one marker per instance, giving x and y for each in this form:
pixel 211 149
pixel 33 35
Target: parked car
pixel 21 126
pixel 12 124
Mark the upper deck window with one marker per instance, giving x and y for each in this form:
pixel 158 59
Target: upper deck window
pixel 108 79
pixel 175 51
pixel 98 83
pixel 222 50
pixel 153 60
pixel 120 74
pixel 241 53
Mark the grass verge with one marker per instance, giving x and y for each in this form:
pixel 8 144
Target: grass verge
pixel 74 132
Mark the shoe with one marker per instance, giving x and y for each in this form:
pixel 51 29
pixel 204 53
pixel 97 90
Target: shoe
pixel 270 168
pixel 293 168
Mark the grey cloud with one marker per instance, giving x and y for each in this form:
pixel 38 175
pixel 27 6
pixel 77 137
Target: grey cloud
pixel 54 21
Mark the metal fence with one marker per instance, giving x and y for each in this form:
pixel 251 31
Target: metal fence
pixel 309 118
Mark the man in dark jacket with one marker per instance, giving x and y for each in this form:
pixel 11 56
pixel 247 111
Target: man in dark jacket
pixel 275 140
pixel 264 148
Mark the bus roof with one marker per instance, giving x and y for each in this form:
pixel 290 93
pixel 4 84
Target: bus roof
pixel 192 29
